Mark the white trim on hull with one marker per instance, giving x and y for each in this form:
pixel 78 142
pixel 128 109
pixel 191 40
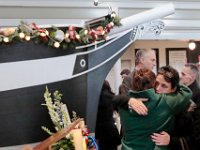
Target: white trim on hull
pixel 21 74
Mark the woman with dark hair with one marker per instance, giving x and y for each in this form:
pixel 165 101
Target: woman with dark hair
pixel 185 133
pixel 106 132
pixel 138 129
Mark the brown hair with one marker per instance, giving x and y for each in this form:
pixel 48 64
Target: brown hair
pixel 125 71
pixel 143 79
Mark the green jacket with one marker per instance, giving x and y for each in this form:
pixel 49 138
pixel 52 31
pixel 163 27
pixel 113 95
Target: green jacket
pixel 161 109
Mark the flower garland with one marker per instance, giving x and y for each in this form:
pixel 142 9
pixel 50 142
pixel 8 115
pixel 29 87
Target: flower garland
pixel 67 37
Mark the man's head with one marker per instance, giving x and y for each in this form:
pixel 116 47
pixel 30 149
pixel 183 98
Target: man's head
pixel 167 80
pixel 125 72
pixel 143 79
pixel 189 74
pixel 145 58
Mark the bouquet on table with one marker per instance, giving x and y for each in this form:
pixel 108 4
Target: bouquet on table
pixel 78 137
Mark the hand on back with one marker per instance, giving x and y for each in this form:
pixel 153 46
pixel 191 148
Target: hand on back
pixel 138 106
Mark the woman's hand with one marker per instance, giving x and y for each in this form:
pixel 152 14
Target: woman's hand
pixel 162 138
pixel 138 106
pixel 192 106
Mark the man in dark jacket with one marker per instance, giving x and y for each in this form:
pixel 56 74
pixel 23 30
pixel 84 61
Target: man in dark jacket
pixel 186 130
pixel 190 77
pixel 144 59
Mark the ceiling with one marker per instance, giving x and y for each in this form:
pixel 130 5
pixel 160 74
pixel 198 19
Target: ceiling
pixel 184 24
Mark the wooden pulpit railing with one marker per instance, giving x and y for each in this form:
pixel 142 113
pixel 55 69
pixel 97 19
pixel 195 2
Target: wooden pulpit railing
pixel 46 144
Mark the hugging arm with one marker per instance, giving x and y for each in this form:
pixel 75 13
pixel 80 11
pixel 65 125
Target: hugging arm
pixel 138 106
pixel 162 138
pixel 123 101
pixel 179 100
pixel 120 101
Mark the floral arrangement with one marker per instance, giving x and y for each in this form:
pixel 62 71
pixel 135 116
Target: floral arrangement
pixel 60 118
pixel 67 37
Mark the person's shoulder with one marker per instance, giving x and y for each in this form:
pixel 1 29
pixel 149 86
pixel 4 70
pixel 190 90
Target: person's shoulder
pixel 127 78
pixel 107 93
pixel 144 93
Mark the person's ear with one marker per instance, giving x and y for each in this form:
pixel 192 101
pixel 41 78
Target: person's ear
pixel 192 78
pixel 142 60
pixel 174 89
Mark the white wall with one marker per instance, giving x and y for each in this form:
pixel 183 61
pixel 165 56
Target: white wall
pixel 161 45
pixel 129 57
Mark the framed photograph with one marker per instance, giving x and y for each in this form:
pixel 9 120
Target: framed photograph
pixel 176 57
pixel 157 58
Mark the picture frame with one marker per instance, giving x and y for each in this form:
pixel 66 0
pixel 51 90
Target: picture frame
pixel 176 57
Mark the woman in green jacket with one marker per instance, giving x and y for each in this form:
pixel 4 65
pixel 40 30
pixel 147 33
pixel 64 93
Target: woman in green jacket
pixel 137 129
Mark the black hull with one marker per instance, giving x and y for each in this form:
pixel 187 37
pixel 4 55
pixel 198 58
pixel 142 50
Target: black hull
pixel 22 115
pixel 21 112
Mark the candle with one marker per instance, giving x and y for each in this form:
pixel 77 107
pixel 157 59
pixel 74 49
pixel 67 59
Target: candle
pixel 78 139
pixel 84 144
pixel 82 124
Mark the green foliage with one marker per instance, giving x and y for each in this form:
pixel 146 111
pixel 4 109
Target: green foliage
pixel 75 117
pixel 117 20
pixel 47 130
pixel 60 117
pixel 63 144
